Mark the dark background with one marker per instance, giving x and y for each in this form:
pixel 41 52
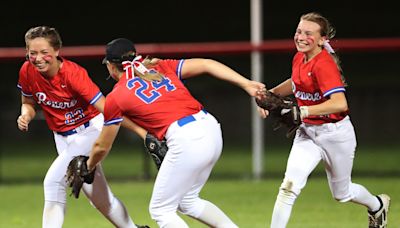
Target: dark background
pixel 373 76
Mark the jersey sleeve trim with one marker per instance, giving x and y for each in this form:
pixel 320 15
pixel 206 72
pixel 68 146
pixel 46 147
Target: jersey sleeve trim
pixel 113 121
pixel 96 98
pixel 334 90
pixel 25 94
pixel 179 69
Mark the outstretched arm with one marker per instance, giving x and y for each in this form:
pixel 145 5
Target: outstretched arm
pixel 103 145
pixel 284 89
pixel 195 67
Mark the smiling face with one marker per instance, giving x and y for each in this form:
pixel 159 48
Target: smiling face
pixel 42 48
pixel 42 55
pixel 308 38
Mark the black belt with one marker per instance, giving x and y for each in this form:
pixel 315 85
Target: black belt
pixel 74 131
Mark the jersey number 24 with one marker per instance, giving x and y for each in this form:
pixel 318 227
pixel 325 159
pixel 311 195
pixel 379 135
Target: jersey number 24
pixel 142 91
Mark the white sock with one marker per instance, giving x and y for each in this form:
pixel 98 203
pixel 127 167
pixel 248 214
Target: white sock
pixel 362 196
pixel 282 209
pixel 215 217
pixel 53 214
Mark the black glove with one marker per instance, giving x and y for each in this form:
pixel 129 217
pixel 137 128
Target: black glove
pixel 283 109
pixel 78 173
pixel 156 148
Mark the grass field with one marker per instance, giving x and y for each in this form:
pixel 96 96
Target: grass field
pixel 249 203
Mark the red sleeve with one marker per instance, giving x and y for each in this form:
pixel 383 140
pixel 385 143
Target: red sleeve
pixel 112 112
pixel 83 85
pixel 328 77
pixel 23 84
pixel 172 65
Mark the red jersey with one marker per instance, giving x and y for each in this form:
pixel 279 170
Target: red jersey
pixel 313 83
pixel 65 98
pixel 152 105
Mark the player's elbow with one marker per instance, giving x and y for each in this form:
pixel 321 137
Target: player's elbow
pixel 342 106
pixel 100 149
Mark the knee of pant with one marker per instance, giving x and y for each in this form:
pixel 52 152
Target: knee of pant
pixel 54 191
pixel 50 183
pixel 340 191
pixel 192 208
pixel 342 198
pixel 155 211
pixel 287 192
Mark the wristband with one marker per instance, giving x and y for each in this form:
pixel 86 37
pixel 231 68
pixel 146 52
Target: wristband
pixel 303 112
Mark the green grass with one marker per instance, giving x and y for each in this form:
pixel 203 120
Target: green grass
pixel 248 203
pixel 29 162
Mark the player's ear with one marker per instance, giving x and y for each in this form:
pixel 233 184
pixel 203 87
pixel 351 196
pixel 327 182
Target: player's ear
pixel 27 57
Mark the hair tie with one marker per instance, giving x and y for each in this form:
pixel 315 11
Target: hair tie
pixel 328 47
pixel 135 64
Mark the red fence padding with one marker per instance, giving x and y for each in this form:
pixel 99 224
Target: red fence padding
pixel 216 48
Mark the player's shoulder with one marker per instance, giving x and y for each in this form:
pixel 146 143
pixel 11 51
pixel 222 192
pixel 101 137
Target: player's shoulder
pixel 170 66
pixel 70 66
pixel 72 70
pixel 324 56
pixel 324 59
pixel 24 67
pixel 168 62
pixel 298 57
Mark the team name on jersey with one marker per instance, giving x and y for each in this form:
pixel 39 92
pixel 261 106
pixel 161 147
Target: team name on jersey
pixel 42 99
pixel 308 96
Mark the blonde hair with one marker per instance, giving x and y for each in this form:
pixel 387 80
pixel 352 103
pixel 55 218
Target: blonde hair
pixel 148 62
pixel 326 30
pixel 50 34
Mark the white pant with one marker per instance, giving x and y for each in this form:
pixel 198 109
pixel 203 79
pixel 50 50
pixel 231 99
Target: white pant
pixel 335 144
pixel 67 148
pixel 193 150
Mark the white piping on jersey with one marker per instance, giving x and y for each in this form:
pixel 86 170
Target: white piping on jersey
pixel 334 90
pixel 96 98
pixel 24 94
pixel 179 69
pixel 113 121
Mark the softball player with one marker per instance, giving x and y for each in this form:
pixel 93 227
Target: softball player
pixel 151 93
pixel 326 133
pixel 70 102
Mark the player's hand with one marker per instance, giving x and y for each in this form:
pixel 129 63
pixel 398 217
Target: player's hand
pixel 254 88
pixel 263 113
pixel 23 122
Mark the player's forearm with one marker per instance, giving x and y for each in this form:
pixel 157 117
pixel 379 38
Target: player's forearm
pixel 127 123
pixel 225 73
pixel 103 145
pixel 336 104
pixel 196 67
pixel 283 89
pixel 99 152
pixel 28 110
